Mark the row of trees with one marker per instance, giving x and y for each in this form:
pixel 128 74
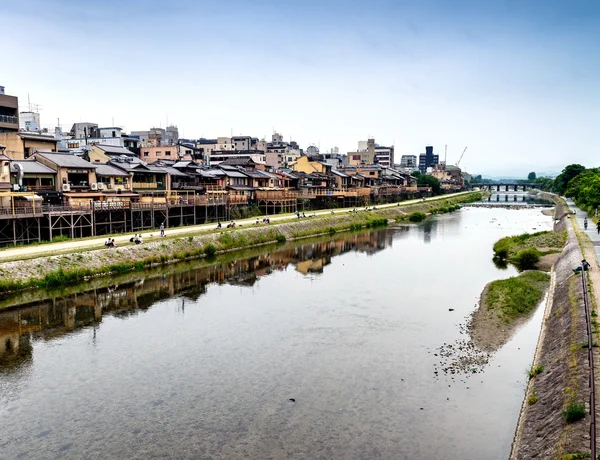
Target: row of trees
pixel 577 182
pixel 425 180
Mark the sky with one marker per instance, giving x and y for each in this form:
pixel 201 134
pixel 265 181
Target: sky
pixel 516 81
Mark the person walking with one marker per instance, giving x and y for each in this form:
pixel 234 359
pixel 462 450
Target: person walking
pixel 585 223
pixel 598 227
pixel 162 229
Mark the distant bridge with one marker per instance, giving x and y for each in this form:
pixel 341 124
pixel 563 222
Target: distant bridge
pixel 507 186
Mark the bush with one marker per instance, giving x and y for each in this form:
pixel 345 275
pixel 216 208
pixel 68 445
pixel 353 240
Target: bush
pixel 417 217
pixel 527 258
pixel 210 250
pixel 331 230
pixel 574 411
pixel 535 371
pixel 281 238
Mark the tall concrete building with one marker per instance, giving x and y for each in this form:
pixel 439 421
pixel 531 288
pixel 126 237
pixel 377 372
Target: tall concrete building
pixel 428 159
pixel 9 113
pixel 408 161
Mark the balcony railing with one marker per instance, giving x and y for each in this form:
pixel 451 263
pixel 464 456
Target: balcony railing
pixel 149 185
pixel 20 210
pixel 276 194
pixel 8 119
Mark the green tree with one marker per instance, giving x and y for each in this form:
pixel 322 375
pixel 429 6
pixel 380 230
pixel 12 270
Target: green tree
pixel 562 180
pixel 531 176
pixel 424 180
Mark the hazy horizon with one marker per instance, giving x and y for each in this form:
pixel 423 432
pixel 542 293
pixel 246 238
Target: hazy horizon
pixel 516 82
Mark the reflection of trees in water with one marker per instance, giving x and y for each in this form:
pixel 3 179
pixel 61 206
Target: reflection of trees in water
pixel 55 317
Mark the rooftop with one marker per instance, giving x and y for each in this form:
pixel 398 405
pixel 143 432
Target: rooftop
pixel 66 161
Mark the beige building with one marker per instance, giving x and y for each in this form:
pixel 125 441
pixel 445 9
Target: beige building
pixel 72 172
pixel 365 155
pixel 22 145
pixel 152 154
pixel 101 153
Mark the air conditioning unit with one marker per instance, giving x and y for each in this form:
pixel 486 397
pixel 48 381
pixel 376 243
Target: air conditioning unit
pixel 94 186
pixel 66 187
pixel 100 185
pixel 127 186
pixel 109 185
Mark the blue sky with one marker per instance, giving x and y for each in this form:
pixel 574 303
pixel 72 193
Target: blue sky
pixel 515 81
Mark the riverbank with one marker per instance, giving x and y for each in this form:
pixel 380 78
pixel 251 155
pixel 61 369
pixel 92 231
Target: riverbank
pixel 61 270
pixel 559 372
pixel 504 306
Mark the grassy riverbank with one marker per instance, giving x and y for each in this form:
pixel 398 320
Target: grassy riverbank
pixel 526 250
pixel 516 296
pixel 68 269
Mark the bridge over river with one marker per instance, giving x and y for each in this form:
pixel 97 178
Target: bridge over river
pixel 508 186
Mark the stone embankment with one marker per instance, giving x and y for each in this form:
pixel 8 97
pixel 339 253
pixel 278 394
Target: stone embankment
pixel 559 373
pixel 61 270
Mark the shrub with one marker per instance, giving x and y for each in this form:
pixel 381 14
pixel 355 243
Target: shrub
pixel 532 398
pixel 417 217
pixel 281 238
pixel 210 250
pixel 535 371
pixel 190 238
pixel 574 411
pixel 120 268
pixel 60 238
pixel 331 230
pixel 527 258
pixel 139 266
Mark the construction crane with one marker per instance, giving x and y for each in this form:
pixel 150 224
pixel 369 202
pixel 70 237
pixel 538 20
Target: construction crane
pixel 461 157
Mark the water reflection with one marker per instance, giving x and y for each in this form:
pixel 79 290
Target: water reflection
pixel 58 316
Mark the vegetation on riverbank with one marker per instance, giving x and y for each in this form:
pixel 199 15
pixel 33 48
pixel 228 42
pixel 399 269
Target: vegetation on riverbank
pixel 525 251
pixel 57 271
pixel 515 296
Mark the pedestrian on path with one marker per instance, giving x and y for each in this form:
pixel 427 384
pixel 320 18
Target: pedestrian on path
pixel 598 227
pixel 162 229
pixel 585 223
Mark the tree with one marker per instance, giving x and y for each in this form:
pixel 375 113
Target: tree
pixel 562 180
pixel 531 177
pixel 425 180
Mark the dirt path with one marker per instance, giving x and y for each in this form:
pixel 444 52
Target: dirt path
pixel 28 252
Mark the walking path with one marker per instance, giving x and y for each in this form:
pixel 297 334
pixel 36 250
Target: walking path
pixel 27 252
pixel 591 231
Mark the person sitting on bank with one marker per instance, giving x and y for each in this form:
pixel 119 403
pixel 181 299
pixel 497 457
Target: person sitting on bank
pixel 113 244
pixel 218 224
pixel 138 239
pixel 109 243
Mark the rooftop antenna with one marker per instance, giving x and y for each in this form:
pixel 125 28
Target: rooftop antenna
pixel 445 154
pixel 28 102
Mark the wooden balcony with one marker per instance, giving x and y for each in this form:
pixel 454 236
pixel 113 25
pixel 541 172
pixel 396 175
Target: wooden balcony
pixel 40 188
pixel 237 199
pixel 148 186
pixel 276 195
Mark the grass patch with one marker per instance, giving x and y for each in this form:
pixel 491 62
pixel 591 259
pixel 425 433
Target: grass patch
pixel 281 238
pixel 518 295
pixel 575 411
pixel 576 456
pixel 210 250
pixel 532 398
pixel 523 249
pixel 534 371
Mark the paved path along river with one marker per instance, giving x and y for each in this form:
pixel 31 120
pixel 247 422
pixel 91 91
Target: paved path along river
pixel 591 231
pixel 97 243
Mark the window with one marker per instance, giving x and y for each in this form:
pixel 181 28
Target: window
pixel 356 157
pixel 158 154
pixel 146 154
pixel 114 134
pixel 167 153
pixel 72 145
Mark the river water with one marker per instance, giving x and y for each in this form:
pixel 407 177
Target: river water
pixel 202 363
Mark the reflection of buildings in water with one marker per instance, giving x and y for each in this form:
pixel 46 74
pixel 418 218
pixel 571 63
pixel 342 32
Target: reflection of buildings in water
pixel 56 317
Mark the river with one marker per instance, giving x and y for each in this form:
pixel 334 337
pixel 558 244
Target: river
pixel 204 363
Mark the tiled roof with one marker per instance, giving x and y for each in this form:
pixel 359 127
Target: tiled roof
pixel 66 161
